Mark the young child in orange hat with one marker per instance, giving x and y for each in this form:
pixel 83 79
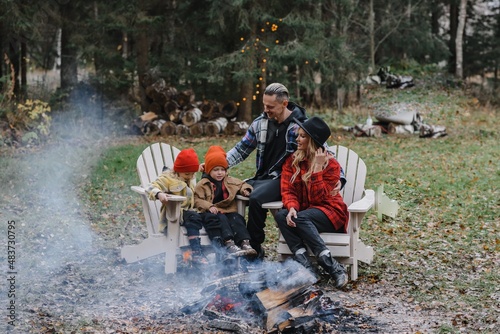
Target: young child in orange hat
pixel 215 197
pixel 181 181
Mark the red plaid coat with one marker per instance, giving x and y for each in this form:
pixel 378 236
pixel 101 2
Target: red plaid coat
pixel 317 192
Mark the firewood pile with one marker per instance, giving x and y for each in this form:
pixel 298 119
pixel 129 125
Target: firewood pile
pixel 173 112
pixel 280 298
pixel 397 119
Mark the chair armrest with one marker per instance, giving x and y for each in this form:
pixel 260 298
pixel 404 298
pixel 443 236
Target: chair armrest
pixel 365 203
pixel 173 198
pixel 242 198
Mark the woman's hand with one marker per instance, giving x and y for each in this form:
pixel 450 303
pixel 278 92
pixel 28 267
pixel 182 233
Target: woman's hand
pixel 320 159
pixel 292 213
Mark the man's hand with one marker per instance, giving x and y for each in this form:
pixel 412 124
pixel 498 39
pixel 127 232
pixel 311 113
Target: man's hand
pixel 336 190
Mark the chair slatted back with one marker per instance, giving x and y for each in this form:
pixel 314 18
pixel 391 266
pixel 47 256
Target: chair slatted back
pixel 149 166
pixel 355 173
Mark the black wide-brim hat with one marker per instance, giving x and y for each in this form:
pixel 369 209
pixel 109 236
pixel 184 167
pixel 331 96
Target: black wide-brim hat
pixel 316 128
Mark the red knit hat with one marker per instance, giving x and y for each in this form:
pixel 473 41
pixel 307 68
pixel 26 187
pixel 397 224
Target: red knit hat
pixel 186 162
pixel 216 156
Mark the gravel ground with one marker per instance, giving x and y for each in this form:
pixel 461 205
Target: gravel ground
pixel 69 279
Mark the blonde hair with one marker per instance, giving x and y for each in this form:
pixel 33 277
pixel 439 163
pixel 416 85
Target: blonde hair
pixel 301 155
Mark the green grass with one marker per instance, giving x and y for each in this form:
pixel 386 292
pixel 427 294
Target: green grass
pixel 441 249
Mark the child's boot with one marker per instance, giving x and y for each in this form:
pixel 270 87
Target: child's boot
pixel 232 249
pixel 197 255
pixel 247 248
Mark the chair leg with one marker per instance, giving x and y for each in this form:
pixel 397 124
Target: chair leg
pixel 354 270
pixel 170 262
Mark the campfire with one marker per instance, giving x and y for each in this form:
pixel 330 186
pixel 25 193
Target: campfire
pixel 278 297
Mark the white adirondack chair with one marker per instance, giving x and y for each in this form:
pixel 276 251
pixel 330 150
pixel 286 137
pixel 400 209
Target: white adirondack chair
pixel 346 248
pixel 149 165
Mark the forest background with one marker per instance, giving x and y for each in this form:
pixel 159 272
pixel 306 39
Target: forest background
pixel 230 50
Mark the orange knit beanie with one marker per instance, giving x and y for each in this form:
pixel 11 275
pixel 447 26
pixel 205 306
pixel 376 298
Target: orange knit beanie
pixel 186 161
pixel 216 156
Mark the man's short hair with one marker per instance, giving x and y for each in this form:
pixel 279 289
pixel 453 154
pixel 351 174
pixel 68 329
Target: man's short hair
pixel 279 90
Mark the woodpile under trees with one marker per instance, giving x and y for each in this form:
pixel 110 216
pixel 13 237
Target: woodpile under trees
pixel 171 112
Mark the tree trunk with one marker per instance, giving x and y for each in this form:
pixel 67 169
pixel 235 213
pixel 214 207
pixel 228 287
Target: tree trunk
pixel 371 23
pixel 69 64
pixel 459 71
pixel 142 62
pixel 453 35
pixel 24 70
pixel 245 113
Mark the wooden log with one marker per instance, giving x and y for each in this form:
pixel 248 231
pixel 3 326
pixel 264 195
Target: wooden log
pixel 363 130
pixel 216 126
pixel 198 129
pixel 185 98
pixel 156 108
pixel 182 130
pixel 150 77
pixel 432 131
pixel 148 117
pixel 168 129
pixel 393 128
pixel 236 128
pixel 171 106
pixel 210 109
pixel 229 109
pixel 175 116
pixel 153 128
pixel 190 117
pixel 152 91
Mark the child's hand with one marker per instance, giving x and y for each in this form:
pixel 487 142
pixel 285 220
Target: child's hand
pixel 213 210
pixel 246 192
pixel 163 197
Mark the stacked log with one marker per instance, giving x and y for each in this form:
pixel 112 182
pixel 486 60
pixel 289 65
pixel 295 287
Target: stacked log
pixel 173 112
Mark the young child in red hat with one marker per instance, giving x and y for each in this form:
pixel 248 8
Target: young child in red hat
pixel 215 197
pixel 181 181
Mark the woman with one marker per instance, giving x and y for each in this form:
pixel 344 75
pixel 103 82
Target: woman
pixel 308 177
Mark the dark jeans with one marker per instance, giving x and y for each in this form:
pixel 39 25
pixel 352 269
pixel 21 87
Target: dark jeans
pixel 225 226
pixel 310 223
pixel 263 191
pixel 191 220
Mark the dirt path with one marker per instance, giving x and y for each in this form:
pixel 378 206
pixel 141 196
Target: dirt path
pixel 71 280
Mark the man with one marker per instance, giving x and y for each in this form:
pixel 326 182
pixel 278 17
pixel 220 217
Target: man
pixel 273 134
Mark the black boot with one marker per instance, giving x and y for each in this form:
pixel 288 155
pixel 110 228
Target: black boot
pixel 303 259
pixel 220 251
pixel 334 269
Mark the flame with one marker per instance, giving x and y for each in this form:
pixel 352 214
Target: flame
pixel 186 256
pixel 223 304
